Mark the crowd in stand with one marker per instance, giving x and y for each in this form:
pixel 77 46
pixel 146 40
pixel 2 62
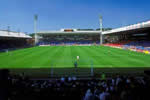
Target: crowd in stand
pixel 138 46
pixel 69 43
pixel 72 88
pixel 6 45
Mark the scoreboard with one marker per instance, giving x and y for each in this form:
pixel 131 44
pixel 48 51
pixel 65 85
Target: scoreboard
pixel 68 30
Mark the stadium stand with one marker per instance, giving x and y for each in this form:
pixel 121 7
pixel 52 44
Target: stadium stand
pixel 139 46
pixel 112 88
pixel 133 37
pixel 13 40
pixel 68 38
pixel 68 43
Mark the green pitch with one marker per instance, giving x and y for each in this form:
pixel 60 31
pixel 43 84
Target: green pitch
pixel 65 56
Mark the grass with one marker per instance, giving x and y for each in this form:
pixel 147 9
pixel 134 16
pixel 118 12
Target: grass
pixel 64 57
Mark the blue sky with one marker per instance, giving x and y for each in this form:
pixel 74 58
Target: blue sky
pixel 57 14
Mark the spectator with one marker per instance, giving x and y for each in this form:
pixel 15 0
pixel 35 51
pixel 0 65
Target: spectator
pixel 104 95
pixel 89 95
pixel 96 93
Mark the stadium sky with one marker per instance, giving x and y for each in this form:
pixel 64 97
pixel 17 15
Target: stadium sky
pixel 57 14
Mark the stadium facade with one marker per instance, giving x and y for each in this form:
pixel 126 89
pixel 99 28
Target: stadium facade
pixel 133 37
pixel 13 40
pixel 68 37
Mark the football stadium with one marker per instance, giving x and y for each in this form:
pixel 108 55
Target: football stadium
pixel 80 56
pixel 111 62
pixel 127 47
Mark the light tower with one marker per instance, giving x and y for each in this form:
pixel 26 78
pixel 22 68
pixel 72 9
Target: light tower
pixel 8 29
pixel 35 28
pixel 101 29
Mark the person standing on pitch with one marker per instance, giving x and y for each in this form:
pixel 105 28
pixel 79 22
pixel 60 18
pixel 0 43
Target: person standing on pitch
pixel 75 65
pixel 77 58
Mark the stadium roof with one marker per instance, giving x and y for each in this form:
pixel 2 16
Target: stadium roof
pixel 4 33
pixel 69 31
pixel 129 28
pixel 138 26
